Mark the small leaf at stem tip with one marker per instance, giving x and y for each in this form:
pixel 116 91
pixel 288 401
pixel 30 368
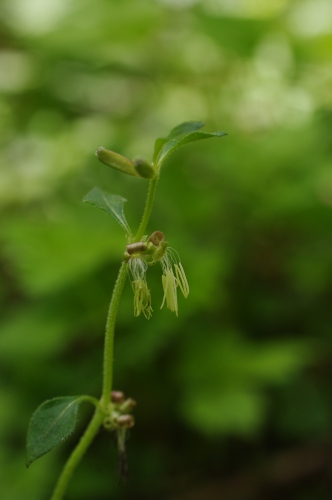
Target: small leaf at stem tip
pixel 110 203
pixel 174 144
pixel 183 128
pixel 53 421
pixel 119 162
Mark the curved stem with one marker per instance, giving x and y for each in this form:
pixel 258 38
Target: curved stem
pixel 109 335
pixel 90 399
pixel 148 208
pixel 99 415
pixel 76 455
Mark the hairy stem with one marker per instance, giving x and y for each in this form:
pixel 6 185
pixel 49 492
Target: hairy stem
pixel 101 411
pixel 77 454
pixel 109 335
pixel 148 208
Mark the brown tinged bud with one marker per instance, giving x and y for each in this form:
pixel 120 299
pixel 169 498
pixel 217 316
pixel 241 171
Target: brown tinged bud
pixel 117 397
pixel 156 238
pixel 138 247
pixel 125 421
pixel 128 406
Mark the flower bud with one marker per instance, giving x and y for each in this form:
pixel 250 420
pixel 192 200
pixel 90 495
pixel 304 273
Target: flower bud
pixel 125 421
pixel 144 168
pixel 128 406
pixel 116 161
pixel 157 237
pixel 138 247
pixel 117 397
pixel 160 251
pixel 108 423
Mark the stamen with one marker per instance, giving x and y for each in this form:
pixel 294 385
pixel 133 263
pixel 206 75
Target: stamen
pixel 170 295
pixel 142 298
pixel 181 279
pixel 137 268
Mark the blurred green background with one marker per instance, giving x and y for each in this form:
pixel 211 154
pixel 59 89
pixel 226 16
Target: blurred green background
pixel 234 396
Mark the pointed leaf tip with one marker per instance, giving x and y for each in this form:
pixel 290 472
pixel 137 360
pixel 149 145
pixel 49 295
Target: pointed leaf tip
pixel 53 421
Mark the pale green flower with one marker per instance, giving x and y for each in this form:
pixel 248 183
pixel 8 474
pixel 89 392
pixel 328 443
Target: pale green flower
pixel 171 281
pixel 142 254
pixel 170 294
pixel 142 297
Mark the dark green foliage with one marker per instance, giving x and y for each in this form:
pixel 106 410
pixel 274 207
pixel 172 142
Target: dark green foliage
pixel 50 425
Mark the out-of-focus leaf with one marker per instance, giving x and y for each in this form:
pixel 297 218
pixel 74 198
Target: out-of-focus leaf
pixel 110 203
pixel 47 252
pixel 53 421
pixel 303 409
pixel 170 146
pixel 229 395
pixel 236 411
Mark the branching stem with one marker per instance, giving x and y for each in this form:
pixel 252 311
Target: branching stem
pixel 102 409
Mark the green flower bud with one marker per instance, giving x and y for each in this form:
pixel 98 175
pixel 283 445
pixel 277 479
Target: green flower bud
pixel 128 405
pixel 160 251
pixel 144 168
pixel 108 423
pixel 116 161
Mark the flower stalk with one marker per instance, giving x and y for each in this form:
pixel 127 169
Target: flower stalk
pixel 112 410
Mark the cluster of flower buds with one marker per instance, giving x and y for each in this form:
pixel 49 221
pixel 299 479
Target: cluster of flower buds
pixel 147 252
pixel 120 412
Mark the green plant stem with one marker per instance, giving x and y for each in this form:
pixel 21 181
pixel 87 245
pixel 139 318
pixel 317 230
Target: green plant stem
pixel 113 309
pixel 148 208
pixel 77 454
pixel 109 335
pixel 100 413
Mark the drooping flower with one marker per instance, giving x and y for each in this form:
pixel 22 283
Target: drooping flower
pixel 144 253
pixel 171 281
pixel 142 297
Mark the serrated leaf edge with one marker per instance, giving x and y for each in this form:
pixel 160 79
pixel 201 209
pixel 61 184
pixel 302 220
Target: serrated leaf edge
pixel 78 399
pixel 123 223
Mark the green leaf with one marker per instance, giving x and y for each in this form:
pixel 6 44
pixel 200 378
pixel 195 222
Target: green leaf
pixel 50 425
pixel 110 203
pixel 174 144
pixel 183 128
